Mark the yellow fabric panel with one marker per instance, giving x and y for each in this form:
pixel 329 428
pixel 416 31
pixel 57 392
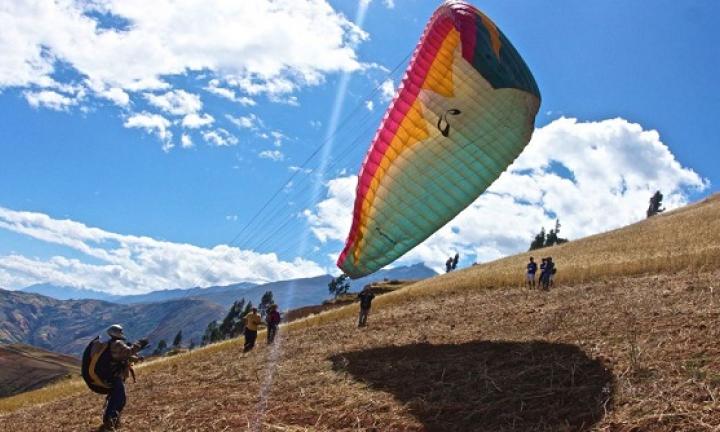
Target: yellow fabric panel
pixel 417 133
pixel 440 77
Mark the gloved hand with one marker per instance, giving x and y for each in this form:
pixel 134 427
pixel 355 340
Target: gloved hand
pixel 143 343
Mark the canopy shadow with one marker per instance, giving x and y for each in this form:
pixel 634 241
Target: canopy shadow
pixel 489 386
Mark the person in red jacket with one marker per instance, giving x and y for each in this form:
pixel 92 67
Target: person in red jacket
pixel 273 321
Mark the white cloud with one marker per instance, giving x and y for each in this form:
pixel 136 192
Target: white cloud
pixel 176 102
pixel 611 169
pixel 126 264
pixel 152 123
pixel 332 217
pixel 250 121
pixel 194 121
pixel 262 41
pixel 49 99
pixel 116 95
pixel 214 88
pixel 387 90
pixel 220 137
pixel 390 4
pixel 274 155
pixel 370 105
pixel 186 141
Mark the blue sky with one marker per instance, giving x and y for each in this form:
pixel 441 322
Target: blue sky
pixel 96 133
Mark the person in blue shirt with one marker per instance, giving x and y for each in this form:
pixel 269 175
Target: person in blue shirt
pixel 530 275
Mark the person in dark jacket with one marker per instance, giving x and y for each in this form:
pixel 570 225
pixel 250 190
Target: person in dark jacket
pixel 123 355
pixel 366 297
pixel 273 321
pixel 530 275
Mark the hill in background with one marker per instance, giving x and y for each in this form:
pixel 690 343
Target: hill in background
pixel 23 368
pixel 66 326
pixel 289 294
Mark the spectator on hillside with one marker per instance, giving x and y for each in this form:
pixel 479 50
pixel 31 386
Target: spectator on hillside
pixel 546 276
pixel 273 321
pixel 448 265
pixel 530 275
pixel 455 261
pixel 366 297
pixel 543 267
pixel 252 321
pixel 551 273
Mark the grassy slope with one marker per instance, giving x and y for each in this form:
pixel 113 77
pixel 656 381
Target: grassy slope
pixel 629 339
pixel 24 368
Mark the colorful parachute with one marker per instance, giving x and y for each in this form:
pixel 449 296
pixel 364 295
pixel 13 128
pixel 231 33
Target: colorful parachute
pixel 465 110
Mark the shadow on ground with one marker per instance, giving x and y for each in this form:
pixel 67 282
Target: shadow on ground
pixel 489 386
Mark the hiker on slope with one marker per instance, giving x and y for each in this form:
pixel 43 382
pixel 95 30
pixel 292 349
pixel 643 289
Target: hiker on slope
pixel 366 297
pixel 273 321
pixel 122 355
pixel 252 321
pixel 531 270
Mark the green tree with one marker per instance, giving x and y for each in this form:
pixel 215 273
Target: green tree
pixel 212 333
pixel 655 204
pixel 178 339
pixel 539 241
pixel 232 325
pixel 265 302
pixel 339 285
pixel 161 347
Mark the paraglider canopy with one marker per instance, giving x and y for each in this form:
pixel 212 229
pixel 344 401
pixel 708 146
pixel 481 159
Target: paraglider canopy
pixel 464 111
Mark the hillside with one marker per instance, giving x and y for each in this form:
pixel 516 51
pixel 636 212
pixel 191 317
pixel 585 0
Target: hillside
pixel 627 341
pixel 24 368
pixel 65 326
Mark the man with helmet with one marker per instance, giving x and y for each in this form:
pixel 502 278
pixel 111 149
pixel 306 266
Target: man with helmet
pixel 123 355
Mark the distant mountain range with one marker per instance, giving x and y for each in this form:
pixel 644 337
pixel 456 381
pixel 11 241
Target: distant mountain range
pixel 288 294
pixel 66 326
pixel 64 319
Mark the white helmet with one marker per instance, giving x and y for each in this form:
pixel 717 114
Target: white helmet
pixel 116 331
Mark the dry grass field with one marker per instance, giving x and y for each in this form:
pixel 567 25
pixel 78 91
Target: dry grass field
pixel 627 341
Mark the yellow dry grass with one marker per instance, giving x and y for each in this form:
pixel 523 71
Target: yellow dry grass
pixel 656 333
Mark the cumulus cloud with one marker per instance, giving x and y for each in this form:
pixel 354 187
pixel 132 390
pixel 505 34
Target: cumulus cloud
pixel 250 121
pixel 186 141
pixel 370 105
pixel 236 50
pixel 387 90
pixel 259 42
pixel 152 123
pixel 176 102
pixel 129 264
pixel 220 137
pixel 593 176
pixel 274 155
pixel 215 88
pixel 49 99
pixel 194 121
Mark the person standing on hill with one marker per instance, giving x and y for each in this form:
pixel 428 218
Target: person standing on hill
pixel 455 261
pixel 366 297
pixel 448 265
pixel 122 355
pixel 551 272
pixel 547 273
pixel 273 321
pixel 543 267
pixel 252 321
pixel 531 270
